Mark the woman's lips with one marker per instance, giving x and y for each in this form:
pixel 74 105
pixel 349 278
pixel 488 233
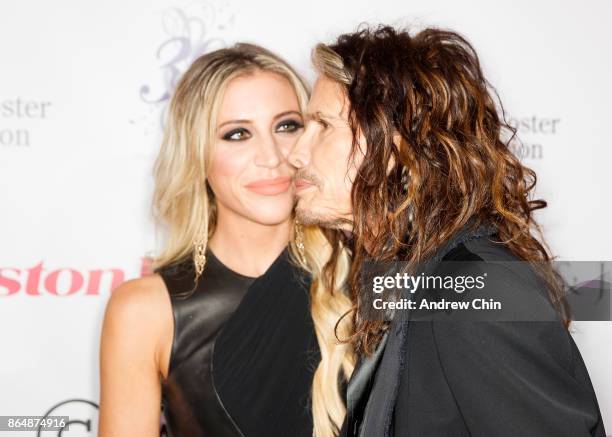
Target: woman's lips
pixel 270 187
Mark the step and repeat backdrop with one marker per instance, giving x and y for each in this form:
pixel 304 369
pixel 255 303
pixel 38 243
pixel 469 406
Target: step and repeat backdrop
pixel 83 89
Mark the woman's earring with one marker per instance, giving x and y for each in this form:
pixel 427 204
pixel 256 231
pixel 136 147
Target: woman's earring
pixel 299 240
pixel 199 256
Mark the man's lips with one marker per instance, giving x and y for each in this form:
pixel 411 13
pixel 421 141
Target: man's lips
pixel 270 187
pixel 302 184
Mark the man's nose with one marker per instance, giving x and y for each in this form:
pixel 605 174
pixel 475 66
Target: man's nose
pixel 299 156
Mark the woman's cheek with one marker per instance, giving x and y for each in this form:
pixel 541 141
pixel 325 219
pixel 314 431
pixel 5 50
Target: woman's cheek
pixel 225 162
pixel 228 169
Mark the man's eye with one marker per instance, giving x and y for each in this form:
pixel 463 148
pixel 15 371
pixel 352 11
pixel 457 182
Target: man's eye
pixel 323 123
pixel 236 135
pixel 289 126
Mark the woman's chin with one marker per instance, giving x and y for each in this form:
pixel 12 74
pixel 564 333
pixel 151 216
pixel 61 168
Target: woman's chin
pixel 271 216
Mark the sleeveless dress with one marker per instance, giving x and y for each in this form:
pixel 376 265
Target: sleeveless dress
pixel 243 353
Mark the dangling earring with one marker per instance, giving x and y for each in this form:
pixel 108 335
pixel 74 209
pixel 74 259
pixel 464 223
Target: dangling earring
pixel 199 256
pixel 299 240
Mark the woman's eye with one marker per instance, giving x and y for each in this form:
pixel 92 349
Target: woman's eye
pixel 236 135
pixel 289 126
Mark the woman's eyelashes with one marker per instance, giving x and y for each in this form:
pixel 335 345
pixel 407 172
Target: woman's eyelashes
pixel 289 126
pixel 239 134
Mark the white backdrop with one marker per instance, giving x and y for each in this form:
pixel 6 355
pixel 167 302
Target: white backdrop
pixel 82 88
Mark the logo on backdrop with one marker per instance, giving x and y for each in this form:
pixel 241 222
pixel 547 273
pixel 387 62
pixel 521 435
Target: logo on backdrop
pixel 83 419
pixel 191 31
pixel 82 414
pixel 533 132
pixel 20 118
pixel 39 280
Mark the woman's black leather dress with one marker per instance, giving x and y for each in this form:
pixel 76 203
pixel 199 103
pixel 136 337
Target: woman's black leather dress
pixel 243 353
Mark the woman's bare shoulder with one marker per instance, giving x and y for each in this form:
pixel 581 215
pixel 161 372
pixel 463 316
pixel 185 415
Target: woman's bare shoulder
pixel 134 329
pixel 140 309
pixel 136 299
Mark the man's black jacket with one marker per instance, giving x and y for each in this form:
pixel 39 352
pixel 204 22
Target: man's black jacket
pixel 479 379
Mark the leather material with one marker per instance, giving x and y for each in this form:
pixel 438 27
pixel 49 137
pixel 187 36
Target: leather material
pixel 243 354
pixel 192 406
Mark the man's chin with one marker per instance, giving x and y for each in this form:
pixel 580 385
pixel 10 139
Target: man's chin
pixel 308 217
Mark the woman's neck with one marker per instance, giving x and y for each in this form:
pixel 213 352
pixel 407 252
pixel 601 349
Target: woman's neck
pixel 245 246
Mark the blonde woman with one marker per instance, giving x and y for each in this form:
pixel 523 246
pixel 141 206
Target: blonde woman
pixel 235 332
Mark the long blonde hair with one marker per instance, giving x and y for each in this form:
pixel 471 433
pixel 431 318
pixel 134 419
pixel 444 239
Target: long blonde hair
pixel 329 264
pixel 184 205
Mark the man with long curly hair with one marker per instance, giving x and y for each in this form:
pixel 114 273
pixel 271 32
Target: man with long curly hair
pixel 406 154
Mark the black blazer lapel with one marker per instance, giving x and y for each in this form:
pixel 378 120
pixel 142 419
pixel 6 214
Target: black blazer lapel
pixel 359 387
pixel 379 409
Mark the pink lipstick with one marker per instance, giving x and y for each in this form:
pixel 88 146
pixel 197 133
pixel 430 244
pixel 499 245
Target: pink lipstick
pixel 270 187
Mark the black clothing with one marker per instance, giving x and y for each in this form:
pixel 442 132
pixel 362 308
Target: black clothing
pixel 478 379
pixel 243 353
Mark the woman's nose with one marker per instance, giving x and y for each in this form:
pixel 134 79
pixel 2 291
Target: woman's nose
pixel 269 154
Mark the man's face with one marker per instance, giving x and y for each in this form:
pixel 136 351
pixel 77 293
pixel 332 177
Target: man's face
pixel 325 174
